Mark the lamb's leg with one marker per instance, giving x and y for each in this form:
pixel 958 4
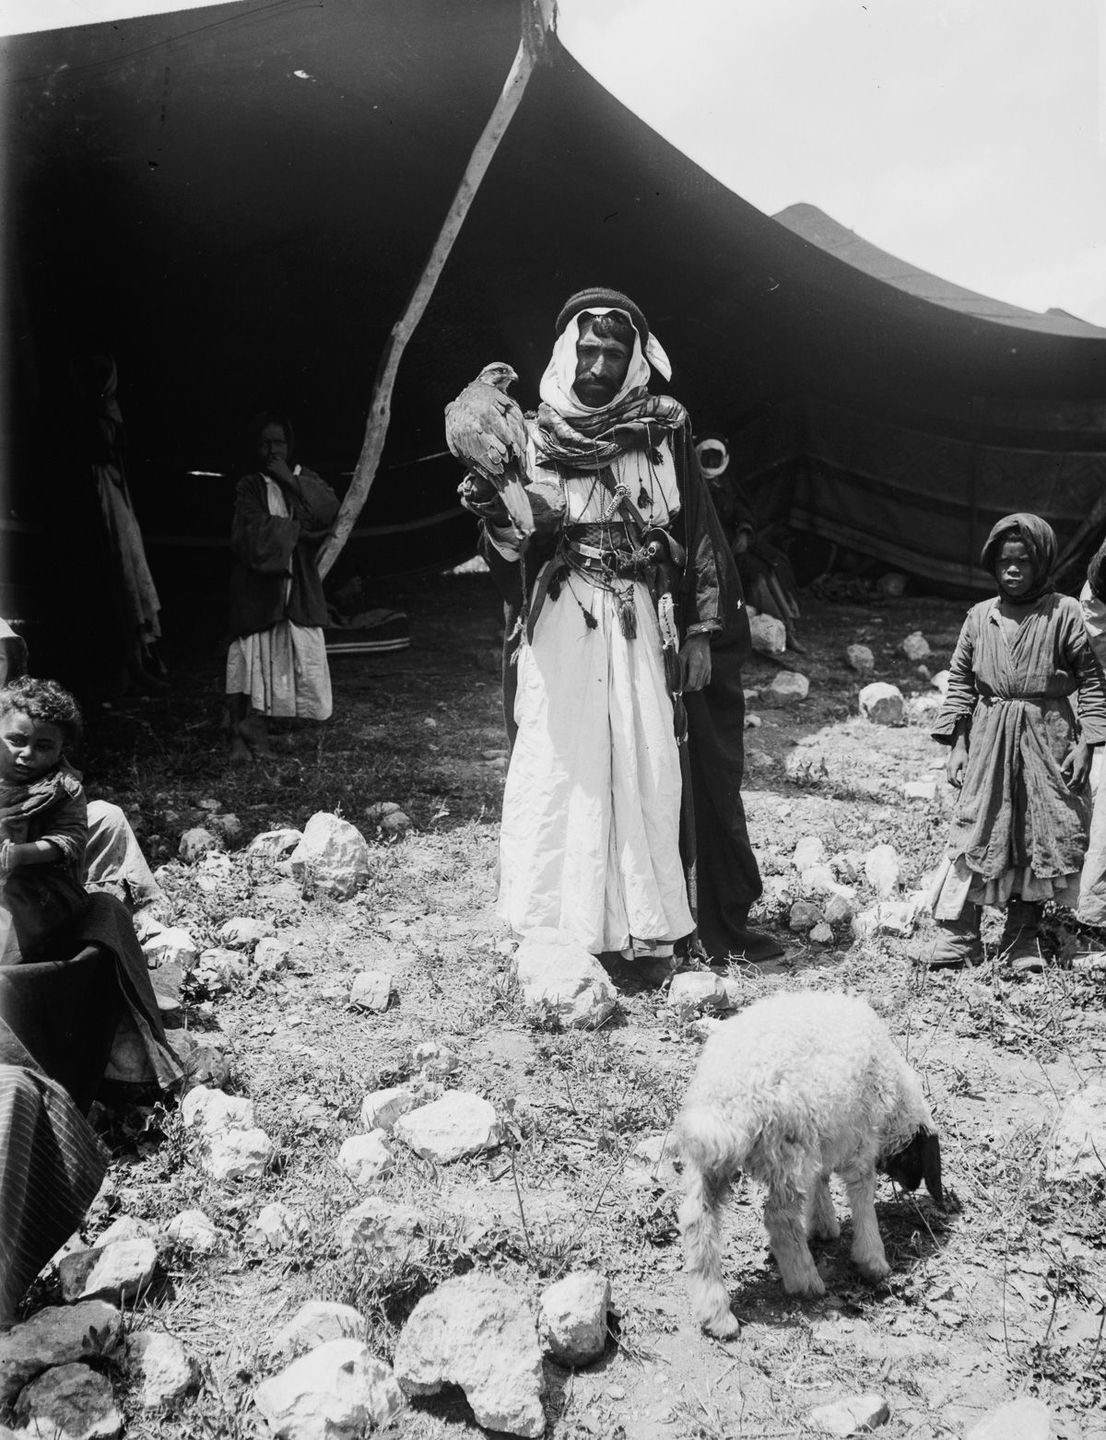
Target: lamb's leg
pixel 868 1254
pixel 821 1222
pixel 699 1224
pixel 785 1219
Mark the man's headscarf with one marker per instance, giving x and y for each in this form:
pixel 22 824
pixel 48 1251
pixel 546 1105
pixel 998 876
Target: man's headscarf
pixel 1039 539
pixel 708 442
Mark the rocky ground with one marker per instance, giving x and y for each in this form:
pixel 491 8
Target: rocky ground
pixel 315 1163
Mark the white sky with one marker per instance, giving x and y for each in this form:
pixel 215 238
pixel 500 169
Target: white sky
pixel 966 136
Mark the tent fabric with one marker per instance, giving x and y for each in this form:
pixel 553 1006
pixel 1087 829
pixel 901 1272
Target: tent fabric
pixel 237 201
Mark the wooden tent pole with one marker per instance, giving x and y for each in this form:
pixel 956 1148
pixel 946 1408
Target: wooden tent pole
pixel 537 16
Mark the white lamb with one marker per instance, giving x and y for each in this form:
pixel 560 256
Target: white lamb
pixel 796 1086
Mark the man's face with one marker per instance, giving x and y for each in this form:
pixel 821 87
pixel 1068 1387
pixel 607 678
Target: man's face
pixel 601 365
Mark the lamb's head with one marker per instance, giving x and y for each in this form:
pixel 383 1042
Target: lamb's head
pixel 919 1159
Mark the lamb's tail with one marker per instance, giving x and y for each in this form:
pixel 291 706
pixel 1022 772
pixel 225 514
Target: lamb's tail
pixel 712 1143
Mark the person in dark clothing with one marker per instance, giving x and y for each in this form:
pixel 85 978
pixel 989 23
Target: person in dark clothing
pixel 276 664
pixel 714 634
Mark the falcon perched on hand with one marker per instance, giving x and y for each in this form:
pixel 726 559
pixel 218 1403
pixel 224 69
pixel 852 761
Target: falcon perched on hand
pixel 485 429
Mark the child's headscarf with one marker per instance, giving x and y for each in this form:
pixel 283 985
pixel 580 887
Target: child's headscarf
pixel 1039 539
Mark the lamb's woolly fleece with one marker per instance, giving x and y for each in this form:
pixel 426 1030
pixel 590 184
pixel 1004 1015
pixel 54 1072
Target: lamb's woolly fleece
pixel 797 1075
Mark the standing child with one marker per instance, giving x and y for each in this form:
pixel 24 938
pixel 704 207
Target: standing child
pixel 277 663
pixel 1020 757
pixel 43 825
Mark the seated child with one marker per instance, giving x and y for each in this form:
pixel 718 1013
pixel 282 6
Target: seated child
pixel 1020 755
pixel 43 826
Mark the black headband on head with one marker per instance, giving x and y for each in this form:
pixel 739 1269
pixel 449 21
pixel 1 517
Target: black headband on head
pixel 600 298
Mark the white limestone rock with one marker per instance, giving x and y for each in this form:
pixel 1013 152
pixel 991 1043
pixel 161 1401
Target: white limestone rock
pixel 560 981
pixel 238 1154
pixel 383 1233
pixel 371 990
pixel 210 1111
pixel 315 1323
pixel 272 954
pixel 804 916
pixel 196 843
pixel 58 1335
pixel 854 1415
pixel 126 1227
pixel 881 866
pixel 476 1332
pixel 769 635
pixel 940 681
pixel 455 1127
pixel 162 1371
pixel 365 1158
pixel 820 880
pixel 920 790
pixel 1023 1419
pixel 888 917
pixel 822 934
pixel 923 709
pixel 338 1391
pixel 436 1061
pixel 1079 1139
pixel 120 1271
pixel 838 910
pixel 882 704
pixel 243 933
pixel 171 945
pixel 69 1402
pixel 572 1317
pixel 860 659
pixel 787 688
pixel 274 844
pixel 333 856
pixel 193 1230
pixel 277 1226
pixel 380 1109
pixel 694 992
pixel 808 851
pixel 915 646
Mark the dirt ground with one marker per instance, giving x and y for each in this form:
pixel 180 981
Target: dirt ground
pixel 1003 1295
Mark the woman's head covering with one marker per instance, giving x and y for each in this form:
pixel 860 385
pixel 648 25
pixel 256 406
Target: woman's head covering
pixel 710 443
pixel 13 652
pixel 252 434
pixel 560 374
pixel 1039 539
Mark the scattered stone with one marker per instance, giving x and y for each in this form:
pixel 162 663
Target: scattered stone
pixel 452 1128
pixel 383 1233
pixel 476 1332
pixel 380 1109
pixel 227 826
pixel 120 1271
pixel 820 880
pixel 274 844
pixel 860 659
pixel 278 1226
pixel 126 1227
pixel 398 822
pixel 920 790
pixel 57 1335
pixel 915 646
pixel 195 844
pixel 243 933
pixel 769 635
pixel 146 924
pixel 759 759
pixel 310 1113
pixel 317 1322
pixel 1079 1141
pixel 365 1158
pixel 923 709
pixel 838 910
pixel 69 1402
pixel 221 969
pixel 559 980
pixel 1023 1419
pixel 892 584
pixel 888 917
pixel 846 864
pixel 371 990
pixel 333 856
pixel 804 915
pixel 164 1371
pixel 205 1061
pixel 272 954
pixel 882 703
pixel 752 722
pixel 436 1061
pixel 171 946
pixel 213 871
pixel 940 681
pixel 822 934
pixel 881 866
pixel 854 1415
pixel 809 851
pixel 572 1318
pixel 238 1155
pixel 787 688
pixel 194 1230
pixel 338 1391
pixel 210 1111
pixel 692 992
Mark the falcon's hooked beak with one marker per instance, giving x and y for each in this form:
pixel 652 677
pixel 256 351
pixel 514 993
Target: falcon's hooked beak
pixel 499 374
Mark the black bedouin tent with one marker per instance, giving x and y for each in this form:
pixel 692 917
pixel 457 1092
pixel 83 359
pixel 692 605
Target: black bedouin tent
pixel 236 202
